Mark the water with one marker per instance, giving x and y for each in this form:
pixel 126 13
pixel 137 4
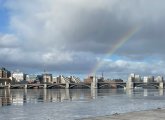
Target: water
pixel 61 104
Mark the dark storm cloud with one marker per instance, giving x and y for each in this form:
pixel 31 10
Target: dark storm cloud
pixel 97 31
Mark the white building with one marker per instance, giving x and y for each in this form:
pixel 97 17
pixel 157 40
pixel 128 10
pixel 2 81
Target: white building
pixel 62 79
pixel 132 75
pixel 47 78
pixel 137 78
pixel 18 76
pixel 55 80
pixel 159 79
pixel 145 79
pixel 134 78
pixel 31 77
pixel 148 79
pixel 74 79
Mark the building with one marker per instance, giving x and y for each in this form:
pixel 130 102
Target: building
pixel 145 79
pixel 148 79
pixel 31 78
pixel 55 80
pixel 5 76
pixel 4 73
pixel 74 79
pixel 47 78
pixel 88 80
pixel 5 81
pixel 63 80
pixel 151 78
pixel 39 78
pixel 134 78
pixel 101 79
pixel 159 79
pixel 132 75
pixel 137 78
pixel 19 76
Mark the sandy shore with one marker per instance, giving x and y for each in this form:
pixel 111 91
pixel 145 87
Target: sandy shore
pixel 158 114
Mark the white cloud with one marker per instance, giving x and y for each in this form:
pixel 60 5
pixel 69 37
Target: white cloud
pixel 57 57
pixel 122 68
pixel 74 33
pixel 8 40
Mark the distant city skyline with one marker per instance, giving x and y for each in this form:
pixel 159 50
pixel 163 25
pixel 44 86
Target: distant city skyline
pixel 83 37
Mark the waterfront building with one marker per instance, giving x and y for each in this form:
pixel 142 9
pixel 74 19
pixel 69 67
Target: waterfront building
pixel 19 76
pixel 55 79
pixel 145 79
pixel 132 75
pixel 148 79
pixel 88 80
pixel 62 79
pixel 151 78
pixel 137 78
pixel 74 79
pixel 39 78
pixel 31 78
pixel 134 78
pixel 47 78
pixel 159 79
pixel 4 73
pixel 101 79
pixel 5 81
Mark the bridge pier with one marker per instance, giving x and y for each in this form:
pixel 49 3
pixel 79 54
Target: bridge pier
pixel 94 84
pixel 161 85
pixel 8 86
pixel 67 85
pixel 125 88
pixel 129 85
pixel 25 86
pixel 45 86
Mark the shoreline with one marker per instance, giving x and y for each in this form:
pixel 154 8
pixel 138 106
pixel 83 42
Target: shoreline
pixel 154 114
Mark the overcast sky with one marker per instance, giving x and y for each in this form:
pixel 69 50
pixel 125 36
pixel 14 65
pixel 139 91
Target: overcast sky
pixel 71 37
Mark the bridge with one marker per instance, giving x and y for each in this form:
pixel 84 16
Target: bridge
pixel 100 85
pixel 132 85
pixel 48 86
pixel 94 85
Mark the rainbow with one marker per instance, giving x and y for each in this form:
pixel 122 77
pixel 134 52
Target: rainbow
pixel 123 39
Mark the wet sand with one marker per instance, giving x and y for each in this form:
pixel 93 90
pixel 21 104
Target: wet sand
pixel 157 114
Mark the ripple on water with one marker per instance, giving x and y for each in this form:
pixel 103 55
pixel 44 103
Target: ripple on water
pixel 74 104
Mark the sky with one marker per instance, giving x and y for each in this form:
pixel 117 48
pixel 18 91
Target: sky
pixel 82 37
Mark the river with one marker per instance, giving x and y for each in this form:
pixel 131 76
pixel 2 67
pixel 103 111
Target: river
pixel 65 104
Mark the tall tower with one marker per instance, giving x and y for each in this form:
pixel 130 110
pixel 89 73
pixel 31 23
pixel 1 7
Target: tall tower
pixel 47 77
pixel 102 76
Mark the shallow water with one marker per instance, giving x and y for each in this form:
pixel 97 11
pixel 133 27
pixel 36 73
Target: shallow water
pixel 63 104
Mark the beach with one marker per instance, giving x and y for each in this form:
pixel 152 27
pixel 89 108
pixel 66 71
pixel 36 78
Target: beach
pixel 156 114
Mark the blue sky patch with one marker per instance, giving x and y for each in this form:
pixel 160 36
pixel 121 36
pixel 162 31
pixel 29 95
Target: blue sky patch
pixel 4 19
